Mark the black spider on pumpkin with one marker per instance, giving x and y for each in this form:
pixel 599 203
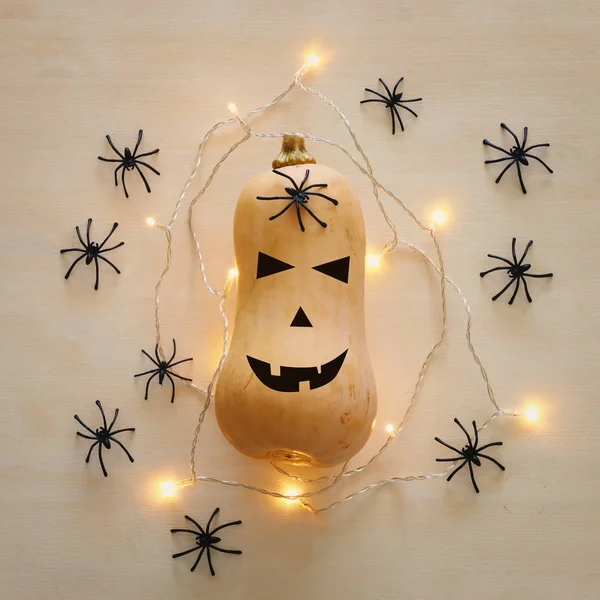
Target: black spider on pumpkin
pixel 103 436
pixel 129 161
pixel 299 196
pixel 517 155
pixel 92 251
pixel 205 540
pixel 517 271
pixel 163 369
pixel 393 101
pixel 470 454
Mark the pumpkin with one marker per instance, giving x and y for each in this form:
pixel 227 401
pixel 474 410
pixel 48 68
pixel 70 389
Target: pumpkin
pixel 297 384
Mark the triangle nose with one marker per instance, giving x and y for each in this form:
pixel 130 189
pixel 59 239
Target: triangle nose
pixel 301 320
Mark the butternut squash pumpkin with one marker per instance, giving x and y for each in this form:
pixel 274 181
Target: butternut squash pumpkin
pixel 297 384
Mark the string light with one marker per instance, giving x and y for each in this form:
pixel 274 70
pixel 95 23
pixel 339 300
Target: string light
pixel 151 222
pixel 168 489
pixel 312 60
pixel 532 413
pixel 233 273
pixel 232 108
pixel 390 428
pixel 438 217
pixel 372 260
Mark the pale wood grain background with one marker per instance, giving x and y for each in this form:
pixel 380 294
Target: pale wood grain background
pixel 71 72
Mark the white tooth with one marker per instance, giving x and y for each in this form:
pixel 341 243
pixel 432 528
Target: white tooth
pixel 305 386
pixel 275 370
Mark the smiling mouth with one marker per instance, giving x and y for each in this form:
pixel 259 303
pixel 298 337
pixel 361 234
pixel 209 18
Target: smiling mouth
pixel 290 377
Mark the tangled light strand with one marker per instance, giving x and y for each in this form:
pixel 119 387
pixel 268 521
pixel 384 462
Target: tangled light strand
pixel 390 246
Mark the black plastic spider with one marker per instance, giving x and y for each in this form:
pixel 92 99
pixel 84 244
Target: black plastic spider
pixel 92 251
pixel 517 155
pixel 299 197
pixel 205 540
pixel 470 454
pixel 517 271
pixel 104 436
pixel 392 101
pixel 130 161
pixel 163 370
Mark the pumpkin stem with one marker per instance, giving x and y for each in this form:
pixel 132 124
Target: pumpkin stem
pixel 293 152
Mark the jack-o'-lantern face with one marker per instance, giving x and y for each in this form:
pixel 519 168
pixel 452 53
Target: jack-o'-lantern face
pixel 297 379
pixel 290 377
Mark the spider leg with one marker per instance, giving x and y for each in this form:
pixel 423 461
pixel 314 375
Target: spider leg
pixel 530 243
pixel 214 514
pixel 411 100
pixel 102 461
pixel 172 387
pixel 314 185
pixel 184 531
pixel 73 266
pixel 287 177
pixel 110 159
pixel 437 439
pixel 148 384
pixel 87 437
pixel 387 89
pixel 97 272
pixel 115 225
pixel 124 449
pixel 493 460
pixel 146 153
pixel 137 145
pixel 514 251
pixel 484 273
pixel 494 298
pixel 476 435
pixel 223 526
pixel 111 248
pixel 512 298
pixel 141 162
pixel 397 84
pixel 299 217
pixel 186 551
pixel 391 107
pixel 113 147
pixel 488 143
pixel 490 445
pixel 179 362
pixel 502 259
pixel 537 276
pixel 200 528
pixel 87 231
pixel 123 182
pixel 507 128
pixel 210 565
pixel 305 178
pixel 455 459
pixel 523 189
pixel 156 354
pixel 525 150
pixel 395 111
pixel 143 177
pixel 225 551
pixel 121 166
pixel 456 470
pixel 497 160
pixel 99 405
pixel 80 238
pixel 473 477
pixel 87 458
pixel 174 352
pixel 312 214
pixel 386 100
pixel 410 110
pixel 527 290
pixel 122 430
pixel 76 417
pixel 72 250
pixel 508 166
pixel 332 200
pixel 197 560
pixel 525 134
pixel 172 373
pixel 374 100
pixel 108 261
pixel 540 161
pixel 144 352
pixel 114 419
pixel 464 431
pixel 273 197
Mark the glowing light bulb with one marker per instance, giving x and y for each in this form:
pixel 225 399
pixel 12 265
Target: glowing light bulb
pixel 291 492
pixel 151 222
pixel 233 273
pixel 168 489
pixel 438 217
pixel 390 428
pixel 312 60
pixel 373 260
pixel 532 413
pixel 232 108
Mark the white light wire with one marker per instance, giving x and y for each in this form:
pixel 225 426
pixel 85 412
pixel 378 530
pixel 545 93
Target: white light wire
pixel 390 246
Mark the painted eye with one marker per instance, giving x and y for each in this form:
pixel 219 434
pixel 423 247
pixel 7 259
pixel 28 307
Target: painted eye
pixel 267 265
pixel 338 269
